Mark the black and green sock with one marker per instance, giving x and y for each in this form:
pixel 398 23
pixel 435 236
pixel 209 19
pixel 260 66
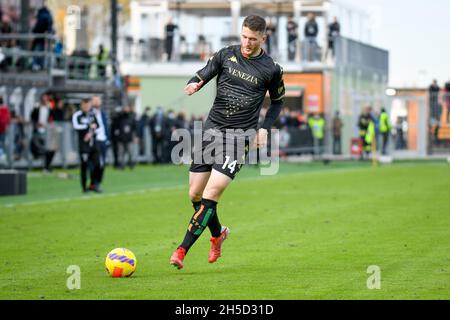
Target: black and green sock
pixel 196 205
pixel 199 222
pixel 214 224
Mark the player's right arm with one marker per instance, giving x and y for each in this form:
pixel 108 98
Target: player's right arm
pixel 205 75
pixel 76 121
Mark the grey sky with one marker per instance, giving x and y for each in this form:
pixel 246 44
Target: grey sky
pixel 417 35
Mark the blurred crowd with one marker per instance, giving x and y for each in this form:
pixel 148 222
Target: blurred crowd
pixel 41 24
pixel 127 134
pixel 439 99
pixel 42 43
pixel 311 48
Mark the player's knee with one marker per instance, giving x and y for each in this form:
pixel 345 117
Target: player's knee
pixel 212 193
pixel 195 195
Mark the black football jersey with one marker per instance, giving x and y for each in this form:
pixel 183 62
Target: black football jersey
pixel 242 84
pixel 81 123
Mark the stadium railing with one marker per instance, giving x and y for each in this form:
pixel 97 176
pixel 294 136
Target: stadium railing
pixel 17 57
pixel 25 148
pixel 152 50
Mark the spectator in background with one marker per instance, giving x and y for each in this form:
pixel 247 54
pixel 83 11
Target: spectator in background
pixel 435 108
pixel 201 47
pixel 192 124
pixel 285 137
pixel 70 110
pixel 334 30
pixel 447 100
pixel 363 125
pixel 4 124
pixel 52 142
pixel 317 126
pixel 40 120
pixel 170 34
pixel 44 140
pixel 43 26
pixel 157 126
pixel 115 135
pixel 337 132
pixel 292 27
pixel 127 136
pixel 171 125
pixel 5 29
pixel 311 31
pixel 293 120
pixel 375 115
pixel 181 121
pixel 270 40
pixel 399 136
pixel 58 113
pixel 184 45
pixel 58 51
pixel 385 130
pixel 144 122
pixel 101 141
pixel 102 60
pixel 284 117
pixel 19 135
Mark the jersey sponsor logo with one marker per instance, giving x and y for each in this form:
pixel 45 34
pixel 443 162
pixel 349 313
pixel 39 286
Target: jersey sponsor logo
pixel 280 90
pixel 233 59
pixel 244 76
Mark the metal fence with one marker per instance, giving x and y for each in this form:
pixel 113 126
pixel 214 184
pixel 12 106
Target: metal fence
pixel 19 53
pixel 24 147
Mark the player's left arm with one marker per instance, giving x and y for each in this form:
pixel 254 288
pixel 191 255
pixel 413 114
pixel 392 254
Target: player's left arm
pixel 203 76
pixel 277 92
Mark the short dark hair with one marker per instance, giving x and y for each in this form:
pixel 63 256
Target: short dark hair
pixel 85 100
pixel 255 23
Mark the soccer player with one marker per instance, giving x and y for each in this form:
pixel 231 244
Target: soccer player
pixel 244 75
pixel 85 123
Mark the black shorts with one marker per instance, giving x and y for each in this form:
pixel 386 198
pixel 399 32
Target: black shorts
pixel 226 155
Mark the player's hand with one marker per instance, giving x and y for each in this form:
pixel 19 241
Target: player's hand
pixel 87 137
pixel 261 139
pixel 93 126
pixel 193 88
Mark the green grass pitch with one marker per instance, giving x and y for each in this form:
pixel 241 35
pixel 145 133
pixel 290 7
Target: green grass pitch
pixel 310 232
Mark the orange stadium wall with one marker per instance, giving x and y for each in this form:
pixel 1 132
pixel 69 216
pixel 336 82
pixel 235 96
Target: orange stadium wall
pixel 313 84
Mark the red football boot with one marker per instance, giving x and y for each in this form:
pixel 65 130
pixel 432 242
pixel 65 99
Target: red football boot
pixel 216 245
pixel 178 257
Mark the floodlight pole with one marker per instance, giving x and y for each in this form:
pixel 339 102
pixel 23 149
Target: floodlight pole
pixel 24 22
pixel 114 12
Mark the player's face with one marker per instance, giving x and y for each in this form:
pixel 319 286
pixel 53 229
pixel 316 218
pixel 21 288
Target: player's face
pixel 85 106
pixel 251 42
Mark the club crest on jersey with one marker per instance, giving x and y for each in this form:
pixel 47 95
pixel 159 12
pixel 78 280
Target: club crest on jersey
pixel 233 59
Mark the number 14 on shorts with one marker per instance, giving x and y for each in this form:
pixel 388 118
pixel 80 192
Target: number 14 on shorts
pixel 231 166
